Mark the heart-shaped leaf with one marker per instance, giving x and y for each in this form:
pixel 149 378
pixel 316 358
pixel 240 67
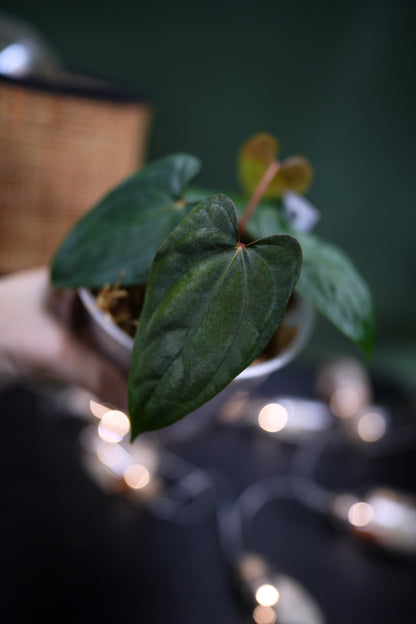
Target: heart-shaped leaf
pixel 211 306
pixel 119 238
pixel 295 175
pixel 329 279
pixel 253 159
pixel 256 154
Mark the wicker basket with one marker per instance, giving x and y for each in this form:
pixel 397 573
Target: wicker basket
pixel 62 146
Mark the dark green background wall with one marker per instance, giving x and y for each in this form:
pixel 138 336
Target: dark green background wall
pixel 333 80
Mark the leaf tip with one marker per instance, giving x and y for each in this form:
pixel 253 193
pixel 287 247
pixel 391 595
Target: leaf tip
pixel 135 429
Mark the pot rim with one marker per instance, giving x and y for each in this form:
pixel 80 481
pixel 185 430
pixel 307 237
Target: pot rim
pixel 301 315
pixel 103 321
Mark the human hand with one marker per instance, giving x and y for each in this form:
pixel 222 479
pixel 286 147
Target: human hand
pixel 36 340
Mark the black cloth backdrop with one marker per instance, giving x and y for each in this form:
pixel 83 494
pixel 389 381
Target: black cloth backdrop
pixel 71 552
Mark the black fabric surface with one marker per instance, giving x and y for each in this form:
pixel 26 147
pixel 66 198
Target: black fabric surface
pixel 71 553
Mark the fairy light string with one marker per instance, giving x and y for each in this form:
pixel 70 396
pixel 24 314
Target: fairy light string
pixel 178 492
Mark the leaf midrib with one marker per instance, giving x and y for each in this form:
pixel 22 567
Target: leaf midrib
pixel 198 320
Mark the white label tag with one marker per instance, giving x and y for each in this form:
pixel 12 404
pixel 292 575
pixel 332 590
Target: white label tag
pixel 301 214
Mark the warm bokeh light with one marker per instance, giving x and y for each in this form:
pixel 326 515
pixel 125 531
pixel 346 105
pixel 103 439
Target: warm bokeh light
pixel 345 401
pixel 360 514
pixel 114 426
pixel 273 417
pixel 344 383
pixel 267 595
pixel 98 409
pixel 114 457
pixel 264 615
pixel 372 426
pixel 137 476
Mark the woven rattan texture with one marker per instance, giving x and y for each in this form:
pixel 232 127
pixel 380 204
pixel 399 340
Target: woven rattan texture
pixel 58 155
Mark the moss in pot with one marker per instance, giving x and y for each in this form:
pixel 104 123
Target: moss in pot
pixel 113 315
pixel 219 274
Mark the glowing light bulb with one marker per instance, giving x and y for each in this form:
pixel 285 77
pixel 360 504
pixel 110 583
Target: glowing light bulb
pixel 273 417
pixel 372 425
pixel 360 514
pixel 345 401
pixel 114 457
pixel 137 476
pixel 385 517
pixel 267 595
pixel 393 524
pixel 98 409
pixel 345 384
pixel 276 594
pixel 114 425
pixel 264 615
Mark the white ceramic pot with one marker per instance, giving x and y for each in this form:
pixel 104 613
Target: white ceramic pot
pixel 117 345
pixel 107 336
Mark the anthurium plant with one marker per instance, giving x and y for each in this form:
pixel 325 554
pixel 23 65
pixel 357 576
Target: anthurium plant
pixel 218 271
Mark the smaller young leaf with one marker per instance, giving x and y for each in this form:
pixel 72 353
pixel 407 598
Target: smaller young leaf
pixel 211 306
pixel 253 159
pixel 295 175
pixel 121 235
pixel 256 154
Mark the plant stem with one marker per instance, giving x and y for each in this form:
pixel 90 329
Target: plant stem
pixel 259 191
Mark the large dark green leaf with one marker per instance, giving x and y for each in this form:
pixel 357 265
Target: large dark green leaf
pixel 211 306
pixel 121 235
pixel 329 280
pixel 331 283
